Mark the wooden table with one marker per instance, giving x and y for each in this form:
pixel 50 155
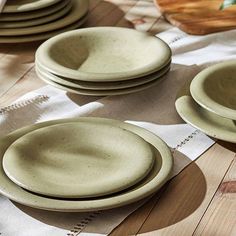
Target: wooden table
pixel 201 200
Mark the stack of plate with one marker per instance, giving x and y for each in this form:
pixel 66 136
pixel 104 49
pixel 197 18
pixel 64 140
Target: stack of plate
pixel 78 165
pixel 209 102
pixel 103 61
pixel 26 21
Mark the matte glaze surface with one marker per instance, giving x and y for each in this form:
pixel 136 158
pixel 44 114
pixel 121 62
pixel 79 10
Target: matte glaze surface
pixel 101 85
pixel 27 5
pixel 159 175
pixel 33 14
pixel 103 54
pixel 215 89
pixel 37 21
pixel 79 9
pixel 204 120
pixel 78 160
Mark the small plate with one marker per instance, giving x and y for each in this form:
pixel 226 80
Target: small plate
pixel 79 9
pixel 78 160
pixel 33 14
pixel 102 85
pixel 38 21
pixel 204 120
pixel 215 89
pixel 26 5
pixel 102 54
pixel 100 92
pixel 43 36
pixel 154 181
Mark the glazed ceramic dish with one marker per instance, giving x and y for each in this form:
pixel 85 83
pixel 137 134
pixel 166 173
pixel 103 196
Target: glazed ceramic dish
pixel 215 89
pixel 99 92
pixel 78 160
pixel 101 85
pixel 79 9
pixel 157 177
pixel 43 36
pixel 103 54
pixel 204 120
pixel 26 5
pixel 38 21
pixel 33 14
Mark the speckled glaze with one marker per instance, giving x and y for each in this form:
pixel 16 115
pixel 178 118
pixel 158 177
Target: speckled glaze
pixel 215 89
pixel 22 16
pixel 157 177
pixel 38 21
pixel 103 54
pixel 78 160
pixel 26 5
pixel 102 85
pixel 79 9
pixel 204 120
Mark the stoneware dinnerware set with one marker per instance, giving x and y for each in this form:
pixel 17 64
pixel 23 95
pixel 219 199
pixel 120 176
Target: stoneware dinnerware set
pixel 26 21
pixel 209 102
pixel 83 164
pixel 103 61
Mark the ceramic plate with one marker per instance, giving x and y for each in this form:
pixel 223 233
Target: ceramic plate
pixel 33 14
pixel 78 160
pixel 38 21
pixel 215 89
pixel 204 120
pixel 102 85
pixel 43 36
pixel 103 54
pixel 158 176
pixel 99 92
pixel 26 5
pixel 79 9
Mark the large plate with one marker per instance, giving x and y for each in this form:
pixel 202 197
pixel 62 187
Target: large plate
pixel 27 5
pixel 42 36
pixel 204 120
pixel 215 89
pixel 102 54
pixel 33 14
pixel 101 92
pixel 79 9
pixel 159 175
pixel 78 160
pixel 38 21
pixel 101 85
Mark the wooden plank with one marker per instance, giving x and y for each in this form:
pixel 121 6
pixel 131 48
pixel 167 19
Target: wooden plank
pixel 187 197
pixel 220 218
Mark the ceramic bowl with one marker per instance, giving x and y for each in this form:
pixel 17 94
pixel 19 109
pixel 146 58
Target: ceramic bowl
pixel 215 89
pixel 103 54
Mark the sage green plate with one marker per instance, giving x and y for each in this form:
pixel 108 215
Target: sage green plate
pixel 90 92
pixel 103 54
pixel 38 21
pixel 22 16
pixel 78 160
pixel 27 5
pixel 215 89
pixel 155 179
pixel 42 36
pixel 102 85
pixel 204 120
pixel 79 9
